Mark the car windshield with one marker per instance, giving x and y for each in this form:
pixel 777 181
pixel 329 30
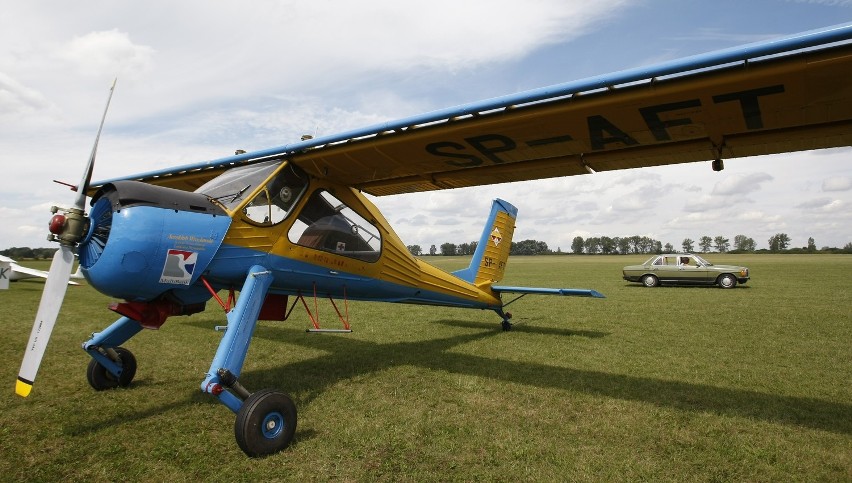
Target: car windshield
pixel 702 261
pixel 230 187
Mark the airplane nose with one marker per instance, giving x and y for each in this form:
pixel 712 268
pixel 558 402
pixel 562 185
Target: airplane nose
pixel 144 240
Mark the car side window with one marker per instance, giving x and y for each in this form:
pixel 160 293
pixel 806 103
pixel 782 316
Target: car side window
pixel 326 223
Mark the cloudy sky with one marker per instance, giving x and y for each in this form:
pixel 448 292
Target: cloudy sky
pixel 199 79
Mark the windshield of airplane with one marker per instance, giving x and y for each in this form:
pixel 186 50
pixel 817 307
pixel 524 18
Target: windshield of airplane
pixel 230 187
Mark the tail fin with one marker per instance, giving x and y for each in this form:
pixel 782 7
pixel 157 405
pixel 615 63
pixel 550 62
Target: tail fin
pixel 492 252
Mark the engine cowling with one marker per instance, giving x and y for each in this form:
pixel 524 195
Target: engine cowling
pixel 144 240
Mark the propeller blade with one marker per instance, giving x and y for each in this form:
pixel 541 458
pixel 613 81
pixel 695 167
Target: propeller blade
pixel 80 200
pixel 48 310
pixel 59 274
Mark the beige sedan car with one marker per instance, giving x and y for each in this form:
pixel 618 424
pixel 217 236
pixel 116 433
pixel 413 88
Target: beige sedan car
pixel 684 269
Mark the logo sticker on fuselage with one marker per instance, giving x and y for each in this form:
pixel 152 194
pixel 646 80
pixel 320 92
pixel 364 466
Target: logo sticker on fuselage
pixel 179 267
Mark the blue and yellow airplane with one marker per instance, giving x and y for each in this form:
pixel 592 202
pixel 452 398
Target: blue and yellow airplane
pixel 291 222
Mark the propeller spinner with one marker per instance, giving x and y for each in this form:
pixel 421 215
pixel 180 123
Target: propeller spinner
pixel 67 229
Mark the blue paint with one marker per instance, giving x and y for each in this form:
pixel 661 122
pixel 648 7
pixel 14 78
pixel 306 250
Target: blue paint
pixel 151 250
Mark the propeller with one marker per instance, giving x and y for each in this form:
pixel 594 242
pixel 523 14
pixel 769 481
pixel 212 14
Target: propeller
pixel 67 227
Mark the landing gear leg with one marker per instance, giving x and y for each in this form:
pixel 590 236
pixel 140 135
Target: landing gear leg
pixel 111 366
pixel 266 419
pixel 506 324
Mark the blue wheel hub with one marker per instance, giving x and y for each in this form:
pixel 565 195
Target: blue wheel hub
pixel 273 425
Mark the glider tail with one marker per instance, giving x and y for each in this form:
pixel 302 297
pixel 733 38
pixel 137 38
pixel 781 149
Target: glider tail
pixel 492 252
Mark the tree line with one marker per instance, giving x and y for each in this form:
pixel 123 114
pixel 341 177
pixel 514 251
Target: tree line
pixel 604 245
pixel 28 253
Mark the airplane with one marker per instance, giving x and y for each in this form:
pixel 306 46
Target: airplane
pixel 288 224
pixel 17 272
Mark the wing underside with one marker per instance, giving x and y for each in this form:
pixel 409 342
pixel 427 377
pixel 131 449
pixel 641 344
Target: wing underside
pixel 767 107
pixel 778 96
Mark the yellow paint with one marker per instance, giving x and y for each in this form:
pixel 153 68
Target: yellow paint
pixel 22 388
pixel 396 264
pixel 493 264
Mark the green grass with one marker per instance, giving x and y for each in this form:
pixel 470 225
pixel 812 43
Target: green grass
pixel 665 384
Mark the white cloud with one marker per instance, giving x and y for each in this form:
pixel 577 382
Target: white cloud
pixel 837 183
pixel 824 205
pixel 741 184
pixel 17 99
pixel 199 79
pixel 107 53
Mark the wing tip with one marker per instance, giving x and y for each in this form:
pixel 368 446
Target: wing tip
pixel 23 388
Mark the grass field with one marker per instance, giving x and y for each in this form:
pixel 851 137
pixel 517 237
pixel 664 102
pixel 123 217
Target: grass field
pixel 664 384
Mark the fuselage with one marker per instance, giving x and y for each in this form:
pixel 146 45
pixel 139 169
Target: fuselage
pixel 147 242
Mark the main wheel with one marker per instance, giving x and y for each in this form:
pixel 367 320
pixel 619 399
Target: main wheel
pixel 727 281
pixel 650 281
pixel 266 423
pixel 100 378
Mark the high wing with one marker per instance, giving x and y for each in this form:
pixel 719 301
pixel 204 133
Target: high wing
pixel 784 95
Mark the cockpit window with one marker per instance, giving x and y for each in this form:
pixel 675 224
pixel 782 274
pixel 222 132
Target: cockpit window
pixel 230 187
pixel 325 223
pixel 272 203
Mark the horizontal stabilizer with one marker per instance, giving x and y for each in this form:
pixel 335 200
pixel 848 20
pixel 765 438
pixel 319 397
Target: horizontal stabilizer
pixel 574 292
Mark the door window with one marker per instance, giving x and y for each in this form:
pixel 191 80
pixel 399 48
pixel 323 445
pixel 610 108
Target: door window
pixel 326 223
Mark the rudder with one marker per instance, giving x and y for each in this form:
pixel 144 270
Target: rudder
pixel 492 252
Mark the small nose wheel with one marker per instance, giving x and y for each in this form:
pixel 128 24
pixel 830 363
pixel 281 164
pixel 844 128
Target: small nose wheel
pixel 100 379
pixel 265 423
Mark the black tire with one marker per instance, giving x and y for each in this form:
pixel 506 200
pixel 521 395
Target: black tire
pixel 650 281
pixel 100 379
pixel 727 281
pixel 266 423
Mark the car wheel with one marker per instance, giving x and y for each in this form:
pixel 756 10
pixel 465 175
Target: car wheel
pixel 650 281
pixel 727 281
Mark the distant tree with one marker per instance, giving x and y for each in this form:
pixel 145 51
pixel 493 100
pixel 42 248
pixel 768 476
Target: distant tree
pixel 21 252
pixel 592 244
pixel 647 245
pixel 744 243
pixel 529 247
pixel 636 243
pixel 448 249
pixel 688 245
pixel 658 246
pixel 464 249
pixel 811 245
pixel 705 243
pixel 623 245
pixel 669 248
pixel 607 245
pixel 778 242
pixel 577 245
pixel 722 244
pixel 433 250
pixel 415 250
